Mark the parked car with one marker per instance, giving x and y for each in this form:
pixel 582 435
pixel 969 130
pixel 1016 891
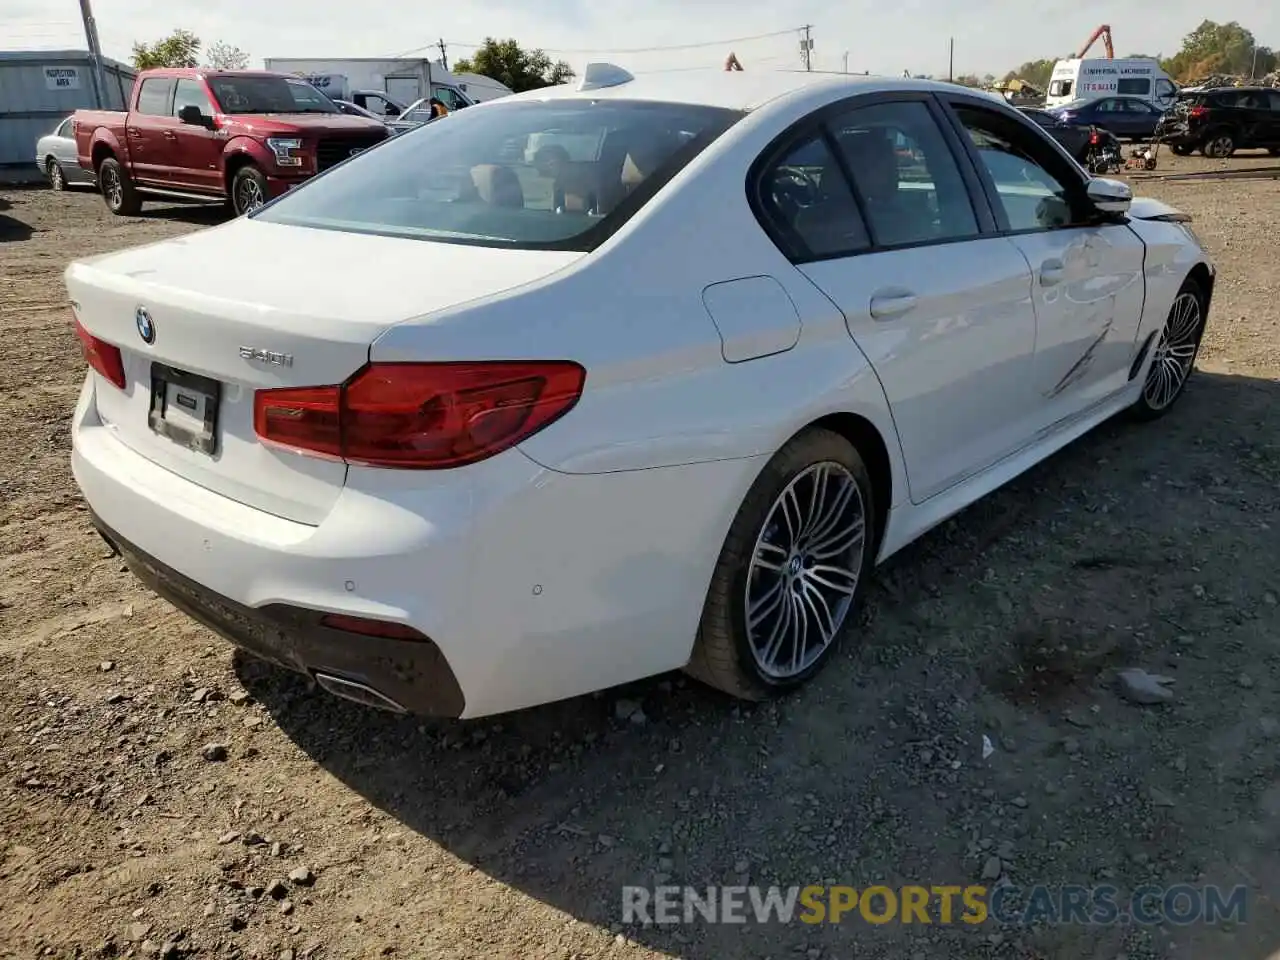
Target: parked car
pixel 662 406
pixel 1220 121
pixel 352 110
pixel 1129 118
pixel 56 158
pixel 238 137
pixel 1095 149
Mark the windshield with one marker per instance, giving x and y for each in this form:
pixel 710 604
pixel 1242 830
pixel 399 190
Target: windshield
pixel 250 94
pixel 550 174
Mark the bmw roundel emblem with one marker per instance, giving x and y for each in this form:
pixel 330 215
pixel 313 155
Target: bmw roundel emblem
pixel 146 328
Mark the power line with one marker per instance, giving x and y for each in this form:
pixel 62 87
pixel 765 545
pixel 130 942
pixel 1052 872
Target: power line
pixel 658 49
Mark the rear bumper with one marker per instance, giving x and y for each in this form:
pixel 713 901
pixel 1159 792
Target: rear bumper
pixel 532 585
pixel 407 676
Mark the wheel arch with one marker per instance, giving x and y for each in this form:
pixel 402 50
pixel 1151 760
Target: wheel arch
pixel 1204 277
pixel 102 151
pixel 871 446
pixel 236 161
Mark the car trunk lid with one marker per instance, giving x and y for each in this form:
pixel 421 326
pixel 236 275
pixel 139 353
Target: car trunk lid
pixel 225 312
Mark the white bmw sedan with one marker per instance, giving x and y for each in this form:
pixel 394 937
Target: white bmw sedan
pixel 656 372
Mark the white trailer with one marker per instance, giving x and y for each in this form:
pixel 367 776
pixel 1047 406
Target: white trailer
pixel 381 83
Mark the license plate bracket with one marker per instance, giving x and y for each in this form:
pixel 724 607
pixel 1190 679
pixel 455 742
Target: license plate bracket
pixel 184 407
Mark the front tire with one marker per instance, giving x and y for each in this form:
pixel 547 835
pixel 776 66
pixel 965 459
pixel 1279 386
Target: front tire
pixel 57 179
pixel 792 570
pixel 1180 149
pixel 248 190
pixel 117 189
pixel 1174 354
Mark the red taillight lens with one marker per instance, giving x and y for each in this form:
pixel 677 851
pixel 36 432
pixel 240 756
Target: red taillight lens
pixel 1197 112
pixel 1094 138
pixel 426 416
pixel 101 356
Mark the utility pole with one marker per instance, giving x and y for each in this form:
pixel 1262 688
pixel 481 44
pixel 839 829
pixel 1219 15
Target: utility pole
pixel 95 54
pixel 443 61
pixel 951 62
pixel 806 47
pixel 846 61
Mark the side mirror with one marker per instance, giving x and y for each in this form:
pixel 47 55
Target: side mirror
pixel 191 114
pixel 1109 196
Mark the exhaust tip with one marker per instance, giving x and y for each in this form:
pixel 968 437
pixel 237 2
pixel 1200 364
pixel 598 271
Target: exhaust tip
pixel 357 692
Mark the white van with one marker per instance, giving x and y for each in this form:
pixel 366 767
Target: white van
pixel 1092 79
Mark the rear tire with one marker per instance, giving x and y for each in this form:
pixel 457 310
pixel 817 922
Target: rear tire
pixel 1175 351
pixel 57 179
pixel 117 189
pixel 1219 145
pixel 1274 151
pixel 248 190
pixel 792 571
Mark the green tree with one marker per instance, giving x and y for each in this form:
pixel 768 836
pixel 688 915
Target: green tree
pixel 1220 48
pixel 224 56
pixel 507 62
pixel 180 49
pixel 1034 72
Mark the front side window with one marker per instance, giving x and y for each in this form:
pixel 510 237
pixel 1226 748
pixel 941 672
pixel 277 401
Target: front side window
pixel 905 175
pixel 1032 197
pixel 1060 88
pixel 153 98
pixel 513 175
pixel 190 93
pixel 245 93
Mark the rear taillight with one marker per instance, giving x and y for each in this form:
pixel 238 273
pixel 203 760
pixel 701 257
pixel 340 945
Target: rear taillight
pixel 101 356
pixel 368 627
pixel 1198 112
pixel 425 416
pixel 1094 138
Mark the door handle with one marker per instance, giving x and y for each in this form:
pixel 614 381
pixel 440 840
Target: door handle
pixel 887 306
pixel 1051 272
pixel 133 132
pixel 170 135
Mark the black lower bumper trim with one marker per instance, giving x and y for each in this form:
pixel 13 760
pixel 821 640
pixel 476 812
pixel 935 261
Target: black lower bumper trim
pixel 411 674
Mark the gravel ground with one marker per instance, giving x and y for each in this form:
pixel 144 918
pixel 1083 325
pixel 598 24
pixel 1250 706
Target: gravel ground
pixel 160 795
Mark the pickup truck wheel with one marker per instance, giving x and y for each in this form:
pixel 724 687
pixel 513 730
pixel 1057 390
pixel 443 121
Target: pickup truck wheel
pixel 57 179
pixel 248 190
pixel 117 189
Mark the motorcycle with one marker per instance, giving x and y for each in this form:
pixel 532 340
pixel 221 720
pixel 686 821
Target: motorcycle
pixel 1103 154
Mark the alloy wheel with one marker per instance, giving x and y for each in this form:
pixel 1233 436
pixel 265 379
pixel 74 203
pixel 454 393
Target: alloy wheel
pixel 1175 353
pixel 804 570
pixel 112 188
pixel 1220 147
pixel 248 195
pixel 56 178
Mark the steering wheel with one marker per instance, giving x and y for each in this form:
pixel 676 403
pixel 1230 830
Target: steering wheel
pixel 793 189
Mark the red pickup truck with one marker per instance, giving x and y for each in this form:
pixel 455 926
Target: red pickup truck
pixel 239 136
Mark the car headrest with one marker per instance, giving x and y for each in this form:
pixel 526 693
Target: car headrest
pixel 497 185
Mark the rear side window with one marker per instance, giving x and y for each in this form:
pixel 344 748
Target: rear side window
pixel 1134 86
pixel 553 174
pixel 806 200
pixel 905 175
pixel 1273 100
pixel 153 98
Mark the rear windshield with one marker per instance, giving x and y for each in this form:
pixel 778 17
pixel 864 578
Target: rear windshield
pixel 549 174
pixel 248 94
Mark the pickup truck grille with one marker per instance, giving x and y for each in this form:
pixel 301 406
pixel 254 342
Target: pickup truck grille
pixel 333 150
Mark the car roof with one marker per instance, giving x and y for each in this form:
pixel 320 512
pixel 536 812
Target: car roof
pixel 734 90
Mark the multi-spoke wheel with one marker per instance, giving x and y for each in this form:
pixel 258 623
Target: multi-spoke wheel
pixel 57 179
pixel 791 570
pixel 248 190
pixel 117 189
pixel 1174 355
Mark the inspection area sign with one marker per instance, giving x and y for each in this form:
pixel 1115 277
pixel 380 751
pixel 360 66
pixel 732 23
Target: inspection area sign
pixel 62 78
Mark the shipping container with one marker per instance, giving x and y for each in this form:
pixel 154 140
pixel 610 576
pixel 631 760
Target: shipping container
pixel 38 89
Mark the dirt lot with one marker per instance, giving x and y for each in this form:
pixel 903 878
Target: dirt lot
pixel 1148 546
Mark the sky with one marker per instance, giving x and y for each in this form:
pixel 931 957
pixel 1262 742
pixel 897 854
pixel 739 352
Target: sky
pixel 879 37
